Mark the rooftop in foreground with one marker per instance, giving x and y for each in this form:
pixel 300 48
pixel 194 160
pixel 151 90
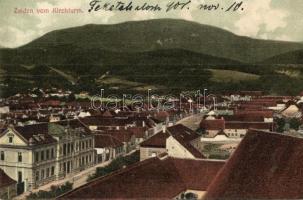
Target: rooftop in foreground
pixel 164 177
pixel 264 166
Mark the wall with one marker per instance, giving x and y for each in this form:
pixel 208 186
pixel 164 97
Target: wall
pixel 147 152
pixel 8 192
pixel 175 149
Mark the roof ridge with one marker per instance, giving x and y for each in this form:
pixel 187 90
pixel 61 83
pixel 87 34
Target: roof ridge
pixel 105 177
pixel 255 131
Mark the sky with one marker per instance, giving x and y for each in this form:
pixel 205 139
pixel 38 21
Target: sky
pixel 263 19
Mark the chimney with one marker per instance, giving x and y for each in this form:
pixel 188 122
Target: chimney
pixel 164 129
pixel 162 156
pixel 10 126
pixel 143 123
pixel 31 141
pixel 42 136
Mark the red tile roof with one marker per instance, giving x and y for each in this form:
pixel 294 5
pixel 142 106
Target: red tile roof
pixel 263 113
pixel 264 166
pixel 5 180
pixel 250 125
pixel 121 135
pixel 184 136
pixel 243 118
pixel 249 93
pixel 158 140
pixel 50 103
pixel 152 178
pixel 38 132
pixel 139 132
pixel 103 141
pixel 216 124
pixel 162 115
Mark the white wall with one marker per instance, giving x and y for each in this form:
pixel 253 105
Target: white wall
pixel 175 149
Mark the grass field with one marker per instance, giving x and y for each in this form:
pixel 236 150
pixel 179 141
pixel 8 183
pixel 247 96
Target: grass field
pixel 219 75
pixel 68 77
pixel 290 73
pixel 28 67
pixel 120 83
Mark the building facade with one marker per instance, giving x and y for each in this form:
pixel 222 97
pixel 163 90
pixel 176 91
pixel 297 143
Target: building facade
pixel 37 154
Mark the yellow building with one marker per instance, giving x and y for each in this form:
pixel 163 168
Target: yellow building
pixel 37 154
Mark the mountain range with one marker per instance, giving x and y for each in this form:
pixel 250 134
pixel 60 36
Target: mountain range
pixel 145 53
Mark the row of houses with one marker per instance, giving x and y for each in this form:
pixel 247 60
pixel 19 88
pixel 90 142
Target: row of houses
pixel 178 141
pixel 37 154
pixel 265 165
pixel 235 126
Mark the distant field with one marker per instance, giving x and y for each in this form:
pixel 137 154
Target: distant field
pixel 219 75
pixel 111 80
pixel 290 73
pixel 68 77
pixel 28 67
pixel 120 83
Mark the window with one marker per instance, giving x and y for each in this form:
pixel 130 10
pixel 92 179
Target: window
pixel 86 144
pixel 47 154
pixel 64 167
pixel 90 143
pixel 52 171
pixel 68 148
pixel 64 149
pixel 42 174
pixel 19 177
pixel 47 172
pixel 52 153
pixel 82 145
pixel 37 156
pixel 72 148
pixel 2 155
pixel 37 175
pixel 19 157
pixel 10 139
pixel 42 155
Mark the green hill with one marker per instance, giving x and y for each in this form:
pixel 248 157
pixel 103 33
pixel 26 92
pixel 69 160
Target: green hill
pixel 293 57
pixel 164 34
pixel 163 53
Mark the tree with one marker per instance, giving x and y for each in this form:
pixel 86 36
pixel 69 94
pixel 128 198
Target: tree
pixel 294 123
pixel 71 97
pixel 55 191
pixel 281 124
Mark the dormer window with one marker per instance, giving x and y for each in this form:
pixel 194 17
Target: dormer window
pixel 10 139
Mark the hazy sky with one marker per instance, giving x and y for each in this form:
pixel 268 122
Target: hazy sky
pixel 266 19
